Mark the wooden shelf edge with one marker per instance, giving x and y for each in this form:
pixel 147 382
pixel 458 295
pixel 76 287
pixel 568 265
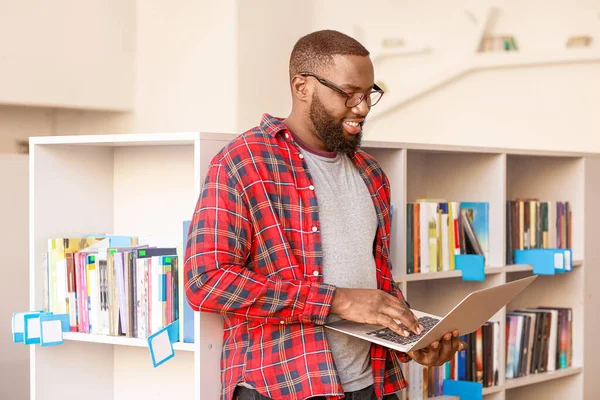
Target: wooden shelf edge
pixel 458 274
pixel 543 377
pixel 527 267
pixel 119 340
pixel 183 346
pixel 442 275
pixel 492 389
pixel 136 139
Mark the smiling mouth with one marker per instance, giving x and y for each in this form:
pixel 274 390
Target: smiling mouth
pixel 353 127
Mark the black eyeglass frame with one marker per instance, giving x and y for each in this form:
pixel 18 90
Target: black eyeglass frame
pixel 348 95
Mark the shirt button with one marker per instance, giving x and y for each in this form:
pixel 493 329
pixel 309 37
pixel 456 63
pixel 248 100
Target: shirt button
pixel 314 228
pixel 281 322
pixel 287 136
pixel 311 187
pixel 301 156
pixel 316 273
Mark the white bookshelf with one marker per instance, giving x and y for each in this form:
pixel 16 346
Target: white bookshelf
pixel 495 176
pixel 147 184
pixel 144 185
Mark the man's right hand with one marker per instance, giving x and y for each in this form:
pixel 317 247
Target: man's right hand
pixel 373 306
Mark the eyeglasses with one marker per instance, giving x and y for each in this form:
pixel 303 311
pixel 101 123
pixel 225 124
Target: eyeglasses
pixel 352 99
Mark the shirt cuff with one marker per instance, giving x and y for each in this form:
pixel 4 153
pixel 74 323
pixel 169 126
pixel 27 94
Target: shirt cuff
pixel 318 303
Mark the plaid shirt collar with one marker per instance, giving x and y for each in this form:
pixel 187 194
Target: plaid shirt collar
pixel 272 125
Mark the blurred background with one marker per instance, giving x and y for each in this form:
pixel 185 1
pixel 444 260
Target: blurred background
pixel 505 74
pixel 124 66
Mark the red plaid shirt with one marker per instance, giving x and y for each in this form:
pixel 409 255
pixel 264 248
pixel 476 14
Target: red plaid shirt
pixel 254 256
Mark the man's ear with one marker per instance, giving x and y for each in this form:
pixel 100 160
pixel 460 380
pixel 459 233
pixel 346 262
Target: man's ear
pixel 300 88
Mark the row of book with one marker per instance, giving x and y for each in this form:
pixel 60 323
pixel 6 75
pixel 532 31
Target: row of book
pixel 535 224
pixel 479 363
pixel 117 286
pixel 437 230
pixel 498 44
pixel 538 340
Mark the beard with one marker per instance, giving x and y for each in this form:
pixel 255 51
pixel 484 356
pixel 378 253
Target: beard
pixel 330 131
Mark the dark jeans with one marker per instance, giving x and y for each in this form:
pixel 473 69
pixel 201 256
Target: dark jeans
pixel 242 393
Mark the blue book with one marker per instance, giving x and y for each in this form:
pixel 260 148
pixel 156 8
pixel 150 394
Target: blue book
pixel 188 313
pixel 462 362
pixel 478 214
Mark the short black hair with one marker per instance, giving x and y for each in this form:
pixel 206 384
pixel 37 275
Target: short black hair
pixel 316 50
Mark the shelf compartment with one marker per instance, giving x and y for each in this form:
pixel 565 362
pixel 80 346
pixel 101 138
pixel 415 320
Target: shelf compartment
pixel 439 296
pixel 119 340
pixel 460 177
pixel 550 179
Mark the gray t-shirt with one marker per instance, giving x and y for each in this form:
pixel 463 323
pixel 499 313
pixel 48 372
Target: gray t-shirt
pixel 348 228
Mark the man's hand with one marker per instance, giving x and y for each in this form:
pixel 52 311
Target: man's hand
pixel 439 352
pixel 374 306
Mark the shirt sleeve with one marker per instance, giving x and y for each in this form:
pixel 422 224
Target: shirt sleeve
pixel 218 277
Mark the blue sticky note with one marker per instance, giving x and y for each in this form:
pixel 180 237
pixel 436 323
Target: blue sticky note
pixel 31 325
pixel 471 265
pixel 18 325
pixel 465 390
pixel 161 342
pixel 51 328
pixel 544 261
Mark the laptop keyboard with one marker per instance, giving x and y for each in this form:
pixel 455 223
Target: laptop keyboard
pixel 388 334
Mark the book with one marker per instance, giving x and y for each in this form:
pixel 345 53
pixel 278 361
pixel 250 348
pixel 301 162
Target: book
pixel 478 215
pixel 538 340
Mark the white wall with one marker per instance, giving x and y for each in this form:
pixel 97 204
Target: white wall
pixel 185 73
pixel 186 66
pixel 552 108
pixel 267 31
pixel 18 123
pixel 14 269
pixel 533 107
pixel 67 53
pixel 217 66
pixel 185 76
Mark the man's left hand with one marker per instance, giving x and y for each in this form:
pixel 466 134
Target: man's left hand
pixel 439 352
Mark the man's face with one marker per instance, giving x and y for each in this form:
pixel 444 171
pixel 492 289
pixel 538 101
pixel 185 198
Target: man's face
pixel 338 126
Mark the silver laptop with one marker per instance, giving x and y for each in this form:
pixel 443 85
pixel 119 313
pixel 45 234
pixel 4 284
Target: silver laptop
pixel 470 314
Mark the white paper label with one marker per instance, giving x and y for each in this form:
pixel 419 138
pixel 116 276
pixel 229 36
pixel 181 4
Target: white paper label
pixel 161 346
pixel 33 328
pixel 51 331
pixel 19 326
pixel 558 261
pixel 568 260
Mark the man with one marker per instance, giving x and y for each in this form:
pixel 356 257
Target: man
pixel 292 231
